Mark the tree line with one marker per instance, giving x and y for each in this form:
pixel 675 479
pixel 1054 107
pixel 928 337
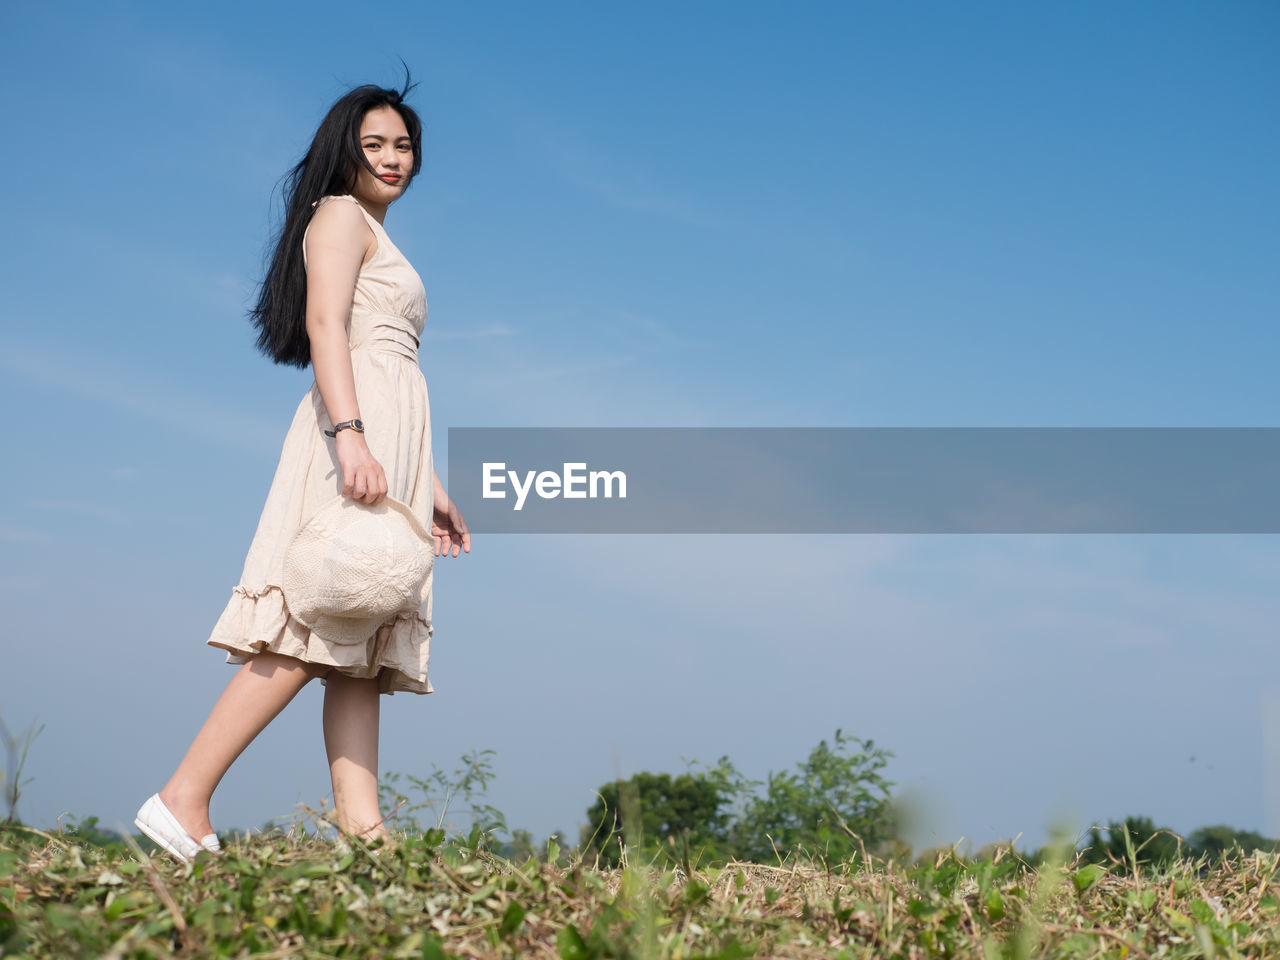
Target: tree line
pixel 835 806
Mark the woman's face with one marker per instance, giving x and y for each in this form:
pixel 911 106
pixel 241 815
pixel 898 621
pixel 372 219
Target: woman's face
pixel 385 142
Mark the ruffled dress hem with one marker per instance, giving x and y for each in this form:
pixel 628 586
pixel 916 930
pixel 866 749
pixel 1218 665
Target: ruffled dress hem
pixel 259 620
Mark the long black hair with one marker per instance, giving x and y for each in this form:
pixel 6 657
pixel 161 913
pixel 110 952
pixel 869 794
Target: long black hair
pixel 331 165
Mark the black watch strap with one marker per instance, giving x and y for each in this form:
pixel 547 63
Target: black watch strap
pixel 356 425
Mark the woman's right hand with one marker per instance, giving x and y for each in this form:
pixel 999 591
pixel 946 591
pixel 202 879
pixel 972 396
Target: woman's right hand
pixel 362 476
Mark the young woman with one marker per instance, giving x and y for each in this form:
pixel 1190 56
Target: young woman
pixel 340 297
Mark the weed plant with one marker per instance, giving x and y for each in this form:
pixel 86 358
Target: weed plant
pixel 298 894
pixel 83 892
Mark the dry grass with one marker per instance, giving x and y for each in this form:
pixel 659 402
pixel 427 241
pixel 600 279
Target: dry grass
pixel 302 895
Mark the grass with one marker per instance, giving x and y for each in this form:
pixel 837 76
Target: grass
pixel 295 894
pixel 83 893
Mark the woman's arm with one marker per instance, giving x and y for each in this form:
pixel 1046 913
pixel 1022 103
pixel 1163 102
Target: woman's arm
pixel 336 244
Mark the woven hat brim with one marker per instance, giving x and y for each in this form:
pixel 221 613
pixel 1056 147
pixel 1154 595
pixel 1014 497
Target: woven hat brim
pixel 340 629
pixel 346 630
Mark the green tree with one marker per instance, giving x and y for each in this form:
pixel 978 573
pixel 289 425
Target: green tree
pixel 1215 841
pixel 87 829
pixel 1131 841
pixel 650 811
pixel 519 849
pixel 835 804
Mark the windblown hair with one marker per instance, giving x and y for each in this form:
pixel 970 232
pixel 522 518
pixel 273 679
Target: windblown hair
pixel 329 167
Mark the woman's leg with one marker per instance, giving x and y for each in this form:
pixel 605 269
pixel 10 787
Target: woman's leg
pixel 351 740
pixel 260 689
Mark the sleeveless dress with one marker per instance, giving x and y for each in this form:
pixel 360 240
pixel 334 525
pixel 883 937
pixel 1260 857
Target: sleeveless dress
pixel 387 317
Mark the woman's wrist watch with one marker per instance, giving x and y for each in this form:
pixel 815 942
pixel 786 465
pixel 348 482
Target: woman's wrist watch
pixel 356 425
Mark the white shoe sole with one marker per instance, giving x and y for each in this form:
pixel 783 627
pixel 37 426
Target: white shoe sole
pixel 156 822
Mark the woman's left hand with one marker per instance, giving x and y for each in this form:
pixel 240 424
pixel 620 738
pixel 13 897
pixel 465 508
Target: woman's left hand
pixel 448 529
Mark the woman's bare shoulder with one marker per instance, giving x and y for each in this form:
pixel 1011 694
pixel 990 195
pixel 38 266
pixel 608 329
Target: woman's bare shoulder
pixel 343 214
pixel 340 225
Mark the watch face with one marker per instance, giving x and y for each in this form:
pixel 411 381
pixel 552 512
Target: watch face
pixel 358 424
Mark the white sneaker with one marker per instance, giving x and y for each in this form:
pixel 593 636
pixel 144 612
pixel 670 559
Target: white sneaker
pixel 155 820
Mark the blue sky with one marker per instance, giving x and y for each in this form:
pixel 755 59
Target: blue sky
pixel 667 215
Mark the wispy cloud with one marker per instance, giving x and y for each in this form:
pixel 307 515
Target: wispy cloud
pixel 616 182
pixel 14 535
pixel 471 333
pixel 81 507
pixel 132 391
pixel 553 371
pixel 20 583
pixel 648 332
pixel 586 165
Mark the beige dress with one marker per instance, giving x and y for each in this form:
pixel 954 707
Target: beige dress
pixel 387 317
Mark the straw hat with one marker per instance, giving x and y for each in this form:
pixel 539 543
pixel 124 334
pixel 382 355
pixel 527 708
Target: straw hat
pixel 352 567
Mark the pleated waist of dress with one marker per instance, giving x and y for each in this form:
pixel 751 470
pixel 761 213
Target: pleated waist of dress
pixel 385 333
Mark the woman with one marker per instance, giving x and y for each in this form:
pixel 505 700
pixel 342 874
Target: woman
pixel 340 297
